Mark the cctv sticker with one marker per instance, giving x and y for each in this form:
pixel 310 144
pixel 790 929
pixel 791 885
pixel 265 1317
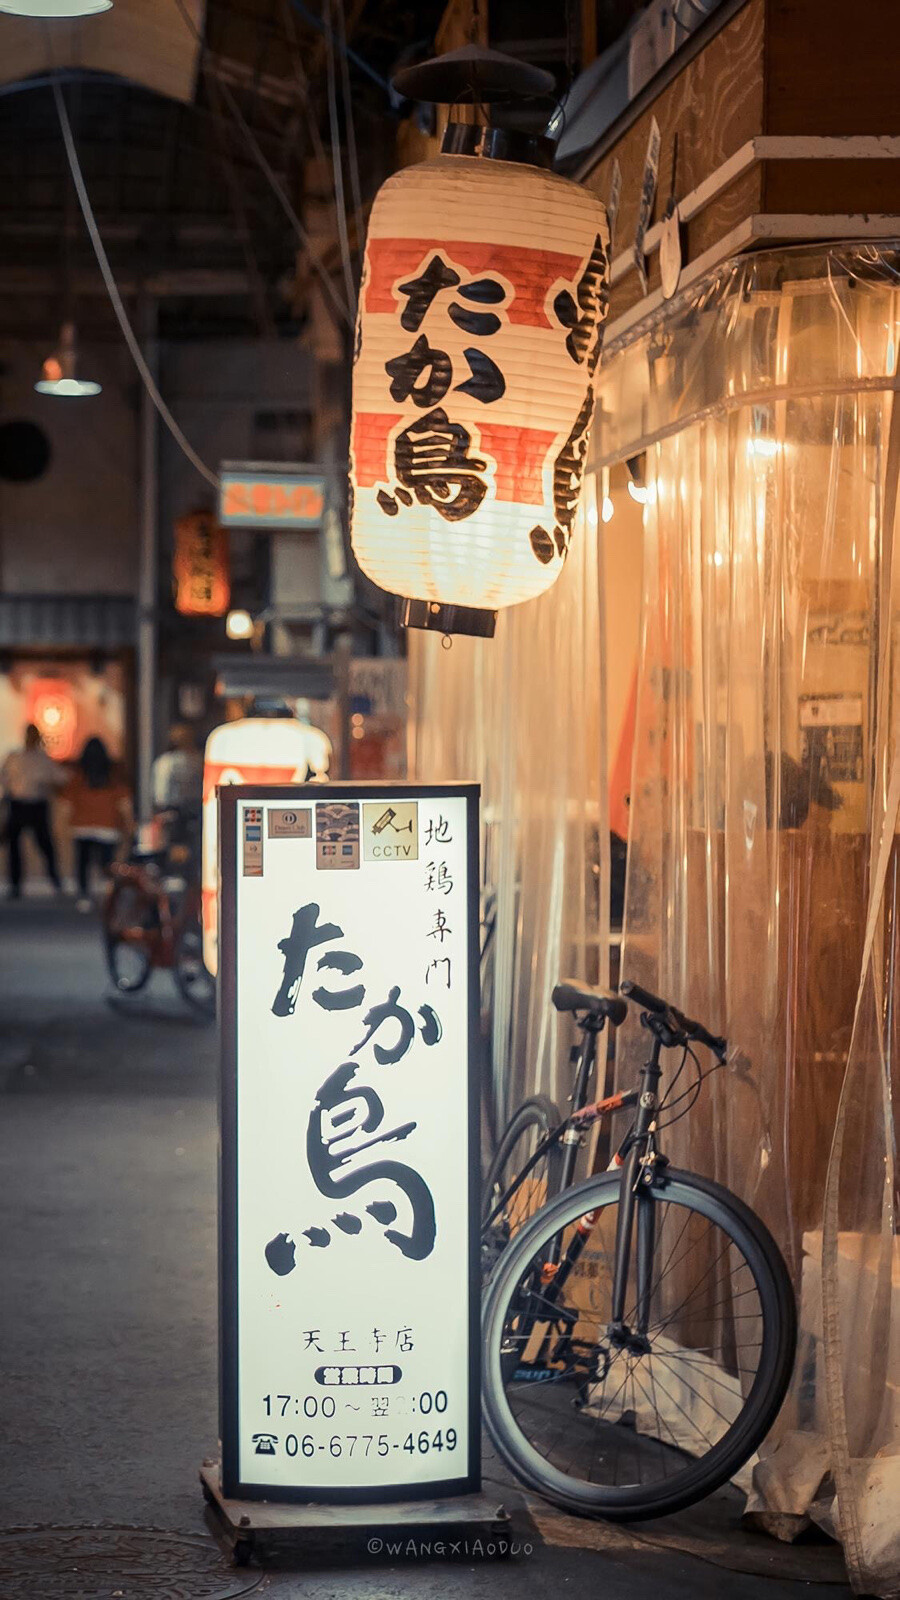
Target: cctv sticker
pixel 290 824
pixel 391 830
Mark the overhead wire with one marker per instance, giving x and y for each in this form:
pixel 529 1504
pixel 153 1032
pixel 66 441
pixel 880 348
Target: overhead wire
pixel 238 206
pixel 312 126
pixel 115 297
pixel 358 60
pixel 340 204
pixel 349 121
pixel 290 23
pixel 265 166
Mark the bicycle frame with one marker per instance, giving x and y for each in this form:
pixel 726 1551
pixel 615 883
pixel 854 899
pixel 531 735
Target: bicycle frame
pixel 570 1139
pixel 638 1161
pixel 159 942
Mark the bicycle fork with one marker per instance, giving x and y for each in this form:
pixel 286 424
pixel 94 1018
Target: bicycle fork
pixel 636 1223
pixel 636 1207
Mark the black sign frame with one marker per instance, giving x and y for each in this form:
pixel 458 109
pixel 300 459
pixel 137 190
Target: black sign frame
pixel 231 797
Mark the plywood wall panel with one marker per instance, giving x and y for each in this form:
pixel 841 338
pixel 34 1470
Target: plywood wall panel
pixel 832 68
pixel 714 106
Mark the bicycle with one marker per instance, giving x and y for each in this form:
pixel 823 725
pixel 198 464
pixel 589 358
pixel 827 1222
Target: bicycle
pixel 152 919
pixel 538 1149
pixel 640 1330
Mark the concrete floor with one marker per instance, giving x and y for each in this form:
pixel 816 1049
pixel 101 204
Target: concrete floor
pixel 108 1228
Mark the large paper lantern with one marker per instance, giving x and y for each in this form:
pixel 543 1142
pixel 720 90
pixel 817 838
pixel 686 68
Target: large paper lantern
pixel 483 292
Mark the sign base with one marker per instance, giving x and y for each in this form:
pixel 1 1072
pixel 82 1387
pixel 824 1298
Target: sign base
pixel 246 1525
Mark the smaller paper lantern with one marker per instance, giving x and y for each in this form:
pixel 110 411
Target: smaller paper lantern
pixel 200 566
pixel 483 292
pixel 251 750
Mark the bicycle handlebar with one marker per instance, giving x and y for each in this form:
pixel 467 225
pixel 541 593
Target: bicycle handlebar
pixel 661 1008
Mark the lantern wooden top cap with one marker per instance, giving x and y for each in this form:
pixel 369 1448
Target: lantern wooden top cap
pixel 474 75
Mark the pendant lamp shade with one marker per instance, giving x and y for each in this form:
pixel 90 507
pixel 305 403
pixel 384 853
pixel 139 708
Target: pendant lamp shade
pixel 483 292
pixel 59 374
pixel 49 9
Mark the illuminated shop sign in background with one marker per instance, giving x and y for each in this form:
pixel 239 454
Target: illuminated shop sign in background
pixel 254 496
pixel 350 1285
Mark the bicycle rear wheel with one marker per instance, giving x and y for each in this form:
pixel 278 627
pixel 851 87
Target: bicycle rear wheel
pixel 520 1138
pixel 637 1428
pixel 129 920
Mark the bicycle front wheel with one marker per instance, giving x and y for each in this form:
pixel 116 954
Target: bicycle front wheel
pixel 194 981
pixel 643 1417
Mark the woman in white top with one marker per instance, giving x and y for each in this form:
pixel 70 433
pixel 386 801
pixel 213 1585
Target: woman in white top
pixel 28 778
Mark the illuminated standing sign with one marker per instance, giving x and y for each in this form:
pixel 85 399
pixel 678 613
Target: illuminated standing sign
pixel 349 1267
pixel 256 496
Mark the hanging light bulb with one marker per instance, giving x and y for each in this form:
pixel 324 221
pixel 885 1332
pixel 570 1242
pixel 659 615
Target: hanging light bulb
pixel 50 9
pixel 58 374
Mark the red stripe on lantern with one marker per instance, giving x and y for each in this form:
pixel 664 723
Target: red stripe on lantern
pixel 533 272
pixel 370 446
pixel 520 455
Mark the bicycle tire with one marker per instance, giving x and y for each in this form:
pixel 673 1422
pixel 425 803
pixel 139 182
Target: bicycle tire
pixel 111 944
pixel 539 1112
pixel 779 1334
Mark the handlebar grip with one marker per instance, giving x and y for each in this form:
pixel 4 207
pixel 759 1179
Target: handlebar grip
pixel 713 1041
pixel 695 1030
pixel 643 997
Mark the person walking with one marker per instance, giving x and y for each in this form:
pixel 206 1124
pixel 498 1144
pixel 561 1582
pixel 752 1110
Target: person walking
pixel 177 777
pixel 100 814
pixel 28 778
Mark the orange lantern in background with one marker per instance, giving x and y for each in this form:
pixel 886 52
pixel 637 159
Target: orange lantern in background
pixel 200 567
pixel 50 705
pixel 483 293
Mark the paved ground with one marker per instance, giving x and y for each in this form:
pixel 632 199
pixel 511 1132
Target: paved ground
pixel 107 1222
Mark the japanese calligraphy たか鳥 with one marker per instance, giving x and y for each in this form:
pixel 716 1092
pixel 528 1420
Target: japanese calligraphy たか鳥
pixel 347 1235
pixel 484 289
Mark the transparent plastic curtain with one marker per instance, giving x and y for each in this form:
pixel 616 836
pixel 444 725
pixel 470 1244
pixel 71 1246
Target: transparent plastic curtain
pixel 763 884
pixel 522 714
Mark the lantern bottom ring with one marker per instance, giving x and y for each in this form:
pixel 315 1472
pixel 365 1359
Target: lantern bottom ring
pixel 473 620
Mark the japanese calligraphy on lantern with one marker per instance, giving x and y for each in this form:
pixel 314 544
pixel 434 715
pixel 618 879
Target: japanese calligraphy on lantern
pixel 483 292
pixel 349 1267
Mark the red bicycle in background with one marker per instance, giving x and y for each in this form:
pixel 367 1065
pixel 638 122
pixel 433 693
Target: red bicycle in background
pixel 152 917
